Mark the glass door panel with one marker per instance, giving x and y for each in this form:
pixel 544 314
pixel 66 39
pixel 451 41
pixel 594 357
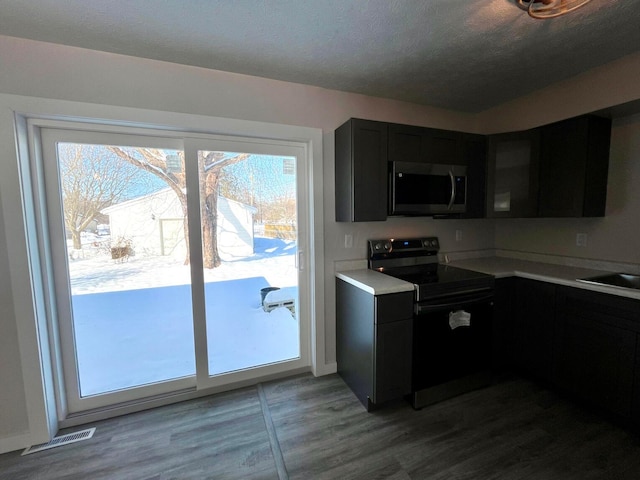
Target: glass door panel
pixel 248 215
pixel 176 262
pixel 123 283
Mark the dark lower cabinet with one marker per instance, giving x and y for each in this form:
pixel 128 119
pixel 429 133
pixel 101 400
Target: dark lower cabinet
pixel 584 343
pixel 502 328
pixel 595 348
pixel 635 400
pixel 374 343
pixel 533 327
pixel 392 371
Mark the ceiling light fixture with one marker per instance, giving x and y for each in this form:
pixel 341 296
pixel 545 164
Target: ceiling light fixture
pixel 550 8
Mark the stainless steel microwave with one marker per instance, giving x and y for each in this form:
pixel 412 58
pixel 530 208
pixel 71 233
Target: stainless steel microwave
pixel 427 189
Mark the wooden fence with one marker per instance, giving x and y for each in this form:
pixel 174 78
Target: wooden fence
pixel 288 232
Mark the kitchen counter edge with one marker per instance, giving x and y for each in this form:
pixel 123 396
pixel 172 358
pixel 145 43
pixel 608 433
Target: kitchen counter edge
pixel 500 267
pixel 374 282
pixel 503 267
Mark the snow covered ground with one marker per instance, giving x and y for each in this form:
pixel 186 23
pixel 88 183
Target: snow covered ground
pixel 133 321
pixel 273 258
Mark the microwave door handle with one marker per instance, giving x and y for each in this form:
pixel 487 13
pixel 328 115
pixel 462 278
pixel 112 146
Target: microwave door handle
pixel 453 190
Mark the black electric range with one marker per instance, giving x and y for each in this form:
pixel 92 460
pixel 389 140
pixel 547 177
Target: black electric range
pixel 452 323
pixel 416 261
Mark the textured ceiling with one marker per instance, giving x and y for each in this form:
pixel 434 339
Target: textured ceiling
pixel 466 55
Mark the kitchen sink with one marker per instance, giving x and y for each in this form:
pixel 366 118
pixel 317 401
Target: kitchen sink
pixel 626 280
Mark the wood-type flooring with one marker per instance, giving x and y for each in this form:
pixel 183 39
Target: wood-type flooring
pixel 315 428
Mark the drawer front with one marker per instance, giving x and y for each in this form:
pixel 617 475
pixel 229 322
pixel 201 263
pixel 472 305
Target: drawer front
pixel 393 307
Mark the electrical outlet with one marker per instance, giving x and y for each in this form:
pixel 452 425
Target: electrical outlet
pixel 581 240
pixel 458 235
pixel 348 241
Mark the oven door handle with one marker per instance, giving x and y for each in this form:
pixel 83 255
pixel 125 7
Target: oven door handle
pixel 422 309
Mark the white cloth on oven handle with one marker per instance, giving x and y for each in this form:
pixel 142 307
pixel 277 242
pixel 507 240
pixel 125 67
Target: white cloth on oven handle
pixel 459 318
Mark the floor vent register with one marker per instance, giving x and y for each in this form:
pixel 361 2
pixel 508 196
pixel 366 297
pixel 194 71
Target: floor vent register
pixel 61 440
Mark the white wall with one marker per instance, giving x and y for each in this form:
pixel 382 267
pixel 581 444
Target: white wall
pixel 50 71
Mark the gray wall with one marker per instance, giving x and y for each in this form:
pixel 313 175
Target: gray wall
pixel 13 417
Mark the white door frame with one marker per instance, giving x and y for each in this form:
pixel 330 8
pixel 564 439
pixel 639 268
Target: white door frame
pixel 30 286
pixel 71 399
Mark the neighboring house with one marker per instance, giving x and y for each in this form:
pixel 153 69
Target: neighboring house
pixel 154 225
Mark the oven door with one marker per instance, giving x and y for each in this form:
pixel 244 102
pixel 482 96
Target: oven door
pixel 451 346
pixel 427 188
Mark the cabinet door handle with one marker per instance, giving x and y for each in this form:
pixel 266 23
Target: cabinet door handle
pixel 453 190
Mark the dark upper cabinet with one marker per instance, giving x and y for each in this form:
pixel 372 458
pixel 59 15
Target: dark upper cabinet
pixel 364 149
pixel 474 156
pixel 574 163
pixel 361 171
pixel 444 146
pixel 558 170
pixel 513 172
pixel 429 145
pixel 408 143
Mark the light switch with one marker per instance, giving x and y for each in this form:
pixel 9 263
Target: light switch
pixel 348 241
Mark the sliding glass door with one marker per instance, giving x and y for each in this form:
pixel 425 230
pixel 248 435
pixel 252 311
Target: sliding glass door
pixel 172 257
pixel 249 277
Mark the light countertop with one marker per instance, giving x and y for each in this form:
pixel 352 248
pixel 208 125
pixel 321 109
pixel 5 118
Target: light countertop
pixel 500 267
pixel 374 282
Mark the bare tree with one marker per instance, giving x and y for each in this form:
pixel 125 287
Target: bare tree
pixel 279 210
pixel 267 183
pixel 171 169
pixel 91 179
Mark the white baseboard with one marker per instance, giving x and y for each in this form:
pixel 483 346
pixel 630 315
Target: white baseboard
pixel 326 369
pixel 14 442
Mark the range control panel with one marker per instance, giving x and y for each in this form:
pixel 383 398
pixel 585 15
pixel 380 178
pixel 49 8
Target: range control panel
pixel 424 245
